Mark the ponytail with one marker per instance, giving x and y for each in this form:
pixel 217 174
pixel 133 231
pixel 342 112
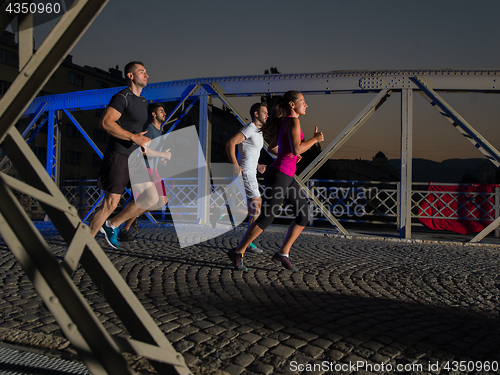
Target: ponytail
pixel 279 111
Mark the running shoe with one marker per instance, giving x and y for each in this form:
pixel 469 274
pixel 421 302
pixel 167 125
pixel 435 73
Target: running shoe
pixel 135 225
pixel 126 236
pixel 237 260
pixel 110 235
pixel 254 248
pixel 285 262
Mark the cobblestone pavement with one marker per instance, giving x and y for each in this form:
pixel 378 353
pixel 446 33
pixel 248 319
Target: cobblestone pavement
pixel 356 305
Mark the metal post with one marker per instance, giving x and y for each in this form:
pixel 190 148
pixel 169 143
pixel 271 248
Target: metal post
pixel 398 206
pixel 99 350
pixel 57 147
pixel 310 186
pixel 205 137
pixel 406 161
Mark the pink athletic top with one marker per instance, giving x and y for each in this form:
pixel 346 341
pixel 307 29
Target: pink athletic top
pixel 286 161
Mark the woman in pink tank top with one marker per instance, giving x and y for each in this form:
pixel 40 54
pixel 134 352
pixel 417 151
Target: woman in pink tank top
pixel 287 143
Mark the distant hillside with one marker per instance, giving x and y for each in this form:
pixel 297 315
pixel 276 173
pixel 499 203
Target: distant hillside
pixel 451 170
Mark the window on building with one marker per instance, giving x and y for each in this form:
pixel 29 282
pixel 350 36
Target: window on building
pixel 218 148
pixel 9 58
pixel 72 131
pixel 96 160
pixel 40 153
pixel 101 85
pixel 100 135
pixel 216 130
pixel 4 86
pixel 76 79
pixel 73 157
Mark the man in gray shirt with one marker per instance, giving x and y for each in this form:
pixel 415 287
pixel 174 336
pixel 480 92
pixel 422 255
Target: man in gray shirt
pixel 123 120
pixel 250 141
pixel 155 157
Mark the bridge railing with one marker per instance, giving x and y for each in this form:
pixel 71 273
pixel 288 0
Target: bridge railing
pixel 367 202
pixel 377 202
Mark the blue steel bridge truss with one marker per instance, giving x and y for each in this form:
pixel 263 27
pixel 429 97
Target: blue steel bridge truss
pixel 428 83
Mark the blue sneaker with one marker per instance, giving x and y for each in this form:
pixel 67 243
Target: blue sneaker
pixel 111 235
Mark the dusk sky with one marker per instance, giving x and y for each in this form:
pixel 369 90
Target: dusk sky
pixel 181 40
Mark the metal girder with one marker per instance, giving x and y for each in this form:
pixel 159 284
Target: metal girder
pixel 406 163
pixel 221 94
pixel 321 159
pixel 219 91
pixel 53 149
pixel 184 113
pixel 318 83
pixel 45 61
pixel 82 249
pixel 25 28
pixel 100 154
pixel 35 118
pixel 6 17
pixel 32 123
pixel 180 104
pixel 466 130
pixel 204 159
pixel 458 121
pixel 51 279
pixel 84 133
pixel 320 205
pixel 28 141
pixel 490 228
pixel 55 286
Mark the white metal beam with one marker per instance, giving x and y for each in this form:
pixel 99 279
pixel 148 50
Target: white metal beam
pixel 405 186
pixel 317 83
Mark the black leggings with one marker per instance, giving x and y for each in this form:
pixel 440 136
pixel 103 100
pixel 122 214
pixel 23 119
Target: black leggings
pixel 280 187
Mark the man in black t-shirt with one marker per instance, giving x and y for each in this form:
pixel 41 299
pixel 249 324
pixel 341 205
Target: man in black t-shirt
pixel 123 120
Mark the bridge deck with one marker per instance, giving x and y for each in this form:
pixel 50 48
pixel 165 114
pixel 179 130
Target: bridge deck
pixel 367 298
